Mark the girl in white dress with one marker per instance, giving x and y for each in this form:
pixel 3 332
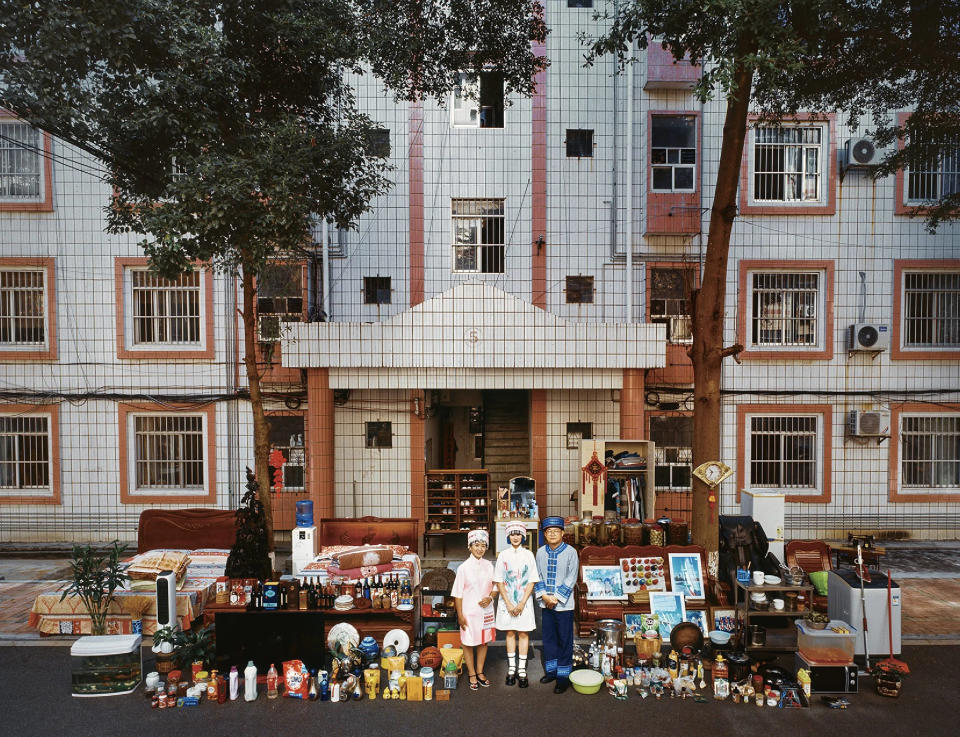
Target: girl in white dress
pixel 515 574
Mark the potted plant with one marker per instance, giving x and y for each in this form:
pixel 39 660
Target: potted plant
pixel 193 646
pixel 96 576
pixel 164 642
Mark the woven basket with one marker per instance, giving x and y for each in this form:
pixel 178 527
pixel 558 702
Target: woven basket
pixel 646 648
pixel 438 579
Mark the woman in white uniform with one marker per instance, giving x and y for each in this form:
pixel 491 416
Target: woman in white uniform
pixel 515 574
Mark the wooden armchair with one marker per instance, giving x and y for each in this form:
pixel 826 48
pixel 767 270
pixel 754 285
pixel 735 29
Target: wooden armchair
pixel 811 556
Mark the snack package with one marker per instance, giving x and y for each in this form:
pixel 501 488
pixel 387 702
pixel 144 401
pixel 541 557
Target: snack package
pixel 296 679
pixel 650 625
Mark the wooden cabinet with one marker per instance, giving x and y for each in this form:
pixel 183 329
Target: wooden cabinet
pixel 634 471
pixel 457 500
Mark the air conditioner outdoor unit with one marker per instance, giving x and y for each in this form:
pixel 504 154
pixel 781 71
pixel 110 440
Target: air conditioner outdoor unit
pixel 868 336
pixel 868 424
pixel 863 152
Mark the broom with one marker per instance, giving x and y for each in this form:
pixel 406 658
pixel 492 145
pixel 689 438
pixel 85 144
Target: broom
pixel 891 663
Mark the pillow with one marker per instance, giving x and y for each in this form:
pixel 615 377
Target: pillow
pixel 819 580
pixel 368 555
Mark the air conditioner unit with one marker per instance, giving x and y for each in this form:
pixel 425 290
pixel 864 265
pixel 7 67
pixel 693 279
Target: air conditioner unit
pixel 868 424
pixel 868 336
pixel 863 152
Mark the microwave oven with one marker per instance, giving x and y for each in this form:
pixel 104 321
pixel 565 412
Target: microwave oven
pixel 830 678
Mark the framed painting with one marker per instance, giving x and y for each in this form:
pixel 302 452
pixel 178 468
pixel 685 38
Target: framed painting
pixel 699 618
pixel 669 607
pixel 723 619
pixel 686 575
pixel 604 582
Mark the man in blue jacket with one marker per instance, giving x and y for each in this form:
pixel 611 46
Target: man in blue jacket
pixel 558 566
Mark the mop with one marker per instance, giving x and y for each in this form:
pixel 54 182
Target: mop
pixel 891 663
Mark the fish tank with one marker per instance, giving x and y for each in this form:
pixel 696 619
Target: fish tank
pixel 106 665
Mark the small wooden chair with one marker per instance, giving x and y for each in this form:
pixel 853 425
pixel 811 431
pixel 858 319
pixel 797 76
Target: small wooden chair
pixel 811 556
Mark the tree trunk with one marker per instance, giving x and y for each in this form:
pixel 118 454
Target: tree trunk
pixel 261 431
pixel 706 353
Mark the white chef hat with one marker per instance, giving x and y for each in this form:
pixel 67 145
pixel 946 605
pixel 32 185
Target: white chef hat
pixel 478 536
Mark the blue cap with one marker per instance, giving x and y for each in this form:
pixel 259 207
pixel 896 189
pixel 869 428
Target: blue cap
pixel 551 522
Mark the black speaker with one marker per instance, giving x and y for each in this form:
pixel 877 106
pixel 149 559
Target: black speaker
pixel 167 600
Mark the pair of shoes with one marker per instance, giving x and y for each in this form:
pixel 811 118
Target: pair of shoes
pixel 473 683
pixel 523 682
pixel 482 679
pixel 548 679
pixel 562 685
pixel 511 678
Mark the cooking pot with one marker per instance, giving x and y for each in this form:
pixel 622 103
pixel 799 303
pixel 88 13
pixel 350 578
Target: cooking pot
pixel 609 633
pixel 739 666
pixel 757 635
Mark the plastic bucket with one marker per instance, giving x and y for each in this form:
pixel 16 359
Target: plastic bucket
pixel 304 513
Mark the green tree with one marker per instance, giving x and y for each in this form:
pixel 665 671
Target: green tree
pixel 777 58
pixel 227 126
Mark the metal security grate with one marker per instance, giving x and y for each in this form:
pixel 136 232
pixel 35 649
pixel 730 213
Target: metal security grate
pixel 478 236
pixel 19 162
pixel 169 452
pixel 931 315
pixel 934 172
pixel 785 309
pixel 783 452
pixel 166 311
pixel 786 164
pixel 930 451
pixel 22 319
pixel 673 438
pixel 24 453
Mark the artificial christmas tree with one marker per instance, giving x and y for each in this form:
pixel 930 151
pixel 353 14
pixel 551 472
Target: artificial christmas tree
pixel 249 556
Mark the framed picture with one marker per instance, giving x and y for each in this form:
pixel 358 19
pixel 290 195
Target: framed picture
pixel 643 574
pixel 699 618
pixel 723 619
pixel 669 607
pixel 632 625
pixel 603 582
pixel 686 575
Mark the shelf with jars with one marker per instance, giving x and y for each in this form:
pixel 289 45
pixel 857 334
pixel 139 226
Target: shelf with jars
pixel 457 500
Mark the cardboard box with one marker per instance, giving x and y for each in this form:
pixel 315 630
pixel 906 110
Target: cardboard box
pixel 414 688
pixel 443 695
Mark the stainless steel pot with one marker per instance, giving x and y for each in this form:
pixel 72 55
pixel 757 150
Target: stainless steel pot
pixel 609 632
pixel 757 635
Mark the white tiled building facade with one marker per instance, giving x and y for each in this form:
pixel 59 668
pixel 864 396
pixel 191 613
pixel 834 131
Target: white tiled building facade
pixel 494 275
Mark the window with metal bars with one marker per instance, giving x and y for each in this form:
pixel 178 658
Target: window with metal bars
pixel 169 451
pixel 931 309
pixel 21 169
pixel 22 308
pixel 787 163
pixel 279 299
pixel 930 451
pixel 783 452
pixel 376 290
pixel 579 290
pixel 24 452
pixel 673 153
pixel 577 431
pixel 669 305
pixel 785 309
pixel 286 435
pixel 673 438
pixel 933 172
pixel 478 236
pixel 166 311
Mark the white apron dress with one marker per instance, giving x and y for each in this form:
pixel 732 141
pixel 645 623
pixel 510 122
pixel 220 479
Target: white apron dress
pixel 474 582
pixel 516 568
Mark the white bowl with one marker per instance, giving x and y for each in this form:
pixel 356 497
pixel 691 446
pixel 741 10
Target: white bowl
pixel 758 596
pixel 771 580
pixel 719 637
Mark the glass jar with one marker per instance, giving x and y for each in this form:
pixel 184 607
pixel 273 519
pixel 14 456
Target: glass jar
pixel 600 533
pixel 613 531
pixel 631 531
pixel 655 534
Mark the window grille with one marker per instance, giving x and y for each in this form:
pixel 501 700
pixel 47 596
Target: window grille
pixel 934 172
pixel 673 451
pixel 169 451
pixel 166 311
pixel 379 435
pixel 22 308
pixel 20 170
pixel 378 142
pixel 930 451
pixel 279 299
pixel 785 309
pixel 376 290
pixel 24 453
pixel 577 431
pixel 579 290
pixel 783 452
pixel 478 236
pixel 786 164
pixel 673 152
pixel 286 435
pixel 931 314
pixel 669 304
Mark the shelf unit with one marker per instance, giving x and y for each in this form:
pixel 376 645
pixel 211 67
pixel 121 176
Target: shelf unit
pixel 779 639
pixel 644 472
pixel 457 500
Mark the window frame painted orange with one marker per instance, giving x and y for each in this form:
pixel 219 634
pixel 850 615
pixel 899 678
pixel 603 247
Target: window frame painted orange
pixel 45 203
pixel 895 494
pixel 53 433
pixel 49 266
pixel 897 352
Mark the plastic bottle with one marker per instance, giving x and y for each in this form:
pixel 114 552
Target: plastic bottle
pixel 250 682
pixel 272 677
pixel 721 684
pixel 234 683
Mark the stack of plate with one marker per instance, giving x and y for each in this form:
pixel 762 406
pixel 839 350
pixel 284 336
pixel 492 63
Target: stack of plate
pixel 343 603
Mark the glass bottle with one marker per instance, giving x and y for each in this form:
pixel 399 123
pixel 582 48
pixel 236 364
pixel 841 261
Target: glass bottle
pixel 313 693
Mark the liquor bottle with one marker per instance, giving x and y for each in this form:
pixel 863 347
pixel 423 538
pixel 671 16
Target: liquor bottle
pixel 304 596
pixel 379 585
pixel 394 592
pixel 366 588
pixel 272 691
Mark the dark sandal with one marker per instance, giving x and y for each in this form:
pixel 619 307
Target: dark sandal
pixel 482 680
pixel 473 683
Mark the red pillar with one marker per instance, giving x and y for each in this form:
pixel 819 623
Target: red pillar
pixel 417 462
pixel 415 187
pixel 320 442
pixel 632 425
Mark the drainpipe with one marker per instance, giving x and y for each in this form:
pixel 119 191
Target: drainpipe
pixel 615 77
pixel 326 268
pixel 230 383
pixel 628 276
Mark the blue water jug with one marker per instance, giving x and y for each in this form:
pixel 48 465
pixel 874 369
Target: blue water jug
pixel 304 513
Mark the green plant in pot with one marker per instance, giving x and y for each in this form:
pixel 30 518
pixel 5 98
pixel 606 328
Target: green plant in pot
pixel 96 577
pixel 192 646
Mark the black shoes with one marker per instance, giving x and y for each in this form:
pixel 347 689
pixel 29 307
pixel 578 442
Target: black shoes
pixel 511 679
pixel 548 679
pixel 562 685
pixel 523 682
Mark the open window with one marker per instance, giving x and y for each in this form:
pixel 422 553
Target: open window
pixel 673 153
pixel 279 299
pixel 478 100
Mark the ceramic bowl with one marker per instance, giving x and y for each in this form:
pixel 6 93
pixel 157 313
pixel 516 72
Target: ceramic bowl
pixel 771 580
pixel 586 681
pixel 719 637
